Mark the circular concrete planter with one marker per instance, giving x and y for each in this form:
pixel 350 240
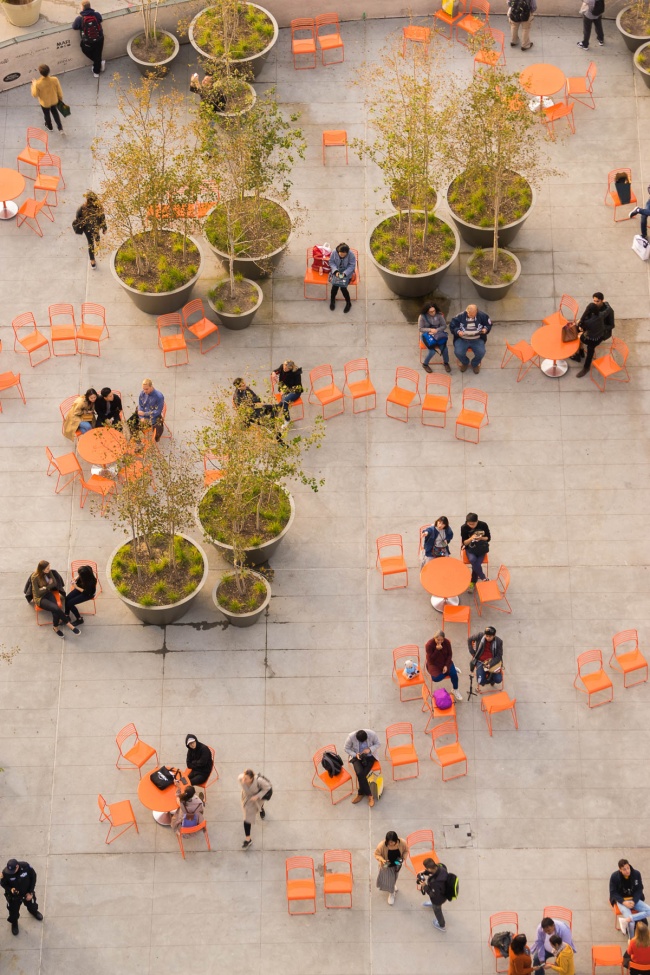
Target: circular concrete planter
pixel 242 111
pixel 255 268
pixel 484 236
pixel 159 67
pixel 238 322
pixel 413 285
pixel 632 41
pixel 160 615
pixel 244 619
pixel 22 14
pixel 260 553
pixel 154 303
pixel 255 62
pixel 494 292
pixel 644 72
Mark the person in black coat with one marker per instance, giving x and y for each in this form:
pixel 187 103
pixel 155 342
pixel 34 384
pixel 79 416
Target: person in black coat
pixel 199 760
pixel 433 882
pixel 89 220
pixel 595 326
pixel 83 589
pixel 19 883
pixel 108 407
pixel 626 891
pixel 289 378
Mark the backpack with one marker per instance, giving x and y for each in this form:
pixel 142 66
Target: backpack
pixel 321 255
pixel 519 11
pixel 91 29
pixel 501 941
pixel 599 8
pixel 77 226
pixel 162 778
pixel 28 590
pixel 451 887
pixel 332 763
pixel 442 697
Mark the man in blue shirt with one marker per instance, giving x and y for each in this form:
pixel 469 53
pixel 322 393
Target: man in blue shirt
pixel 89 24
pixel 150 407
pixel 543 949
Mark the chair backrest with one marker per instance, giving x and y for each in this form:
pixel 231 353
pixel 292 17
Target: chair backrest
pixel 385 541
pixel 321 372
pixel 592 71
pixel 49 161
pixel 480 7
pixel 76 564
pixel 64 310
pixel 126 732
pixel 399 728
pixel 435 379
pixel 319 754
pixel 559 914
pixel 193 307
pixel 511 918
pixel 421 532
pixel 618 345
pixel 491 39
pixel 303 24
pixel 173 319
pixel 327 20
pixel 625 636
pixel 503 577
pixel 36 135
pixel 421 836
pixel 590 657
pixel 52 459
pixel 406 652
pixel 66 405
pixel 404 375
pixel 89 308
pixel 104 807
pixel 470 394
pixel 337 856
pixel 446 728
pixel 611 176
pixel 21 321
pixel 299 863
pixel 356 365
pixel 571 305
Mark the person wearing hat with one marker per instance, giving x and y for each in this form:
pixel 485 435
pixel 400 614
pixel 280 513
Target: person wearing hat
pixel 19 882
pixel 199 760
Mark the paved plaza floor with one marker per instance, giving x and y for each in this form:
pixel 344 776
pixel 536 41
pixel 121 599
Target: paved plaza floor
pixel 560 475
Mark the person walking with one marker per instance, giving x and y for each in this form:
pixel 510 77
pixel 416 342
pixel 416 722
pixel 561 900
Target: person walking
pixel 83 589
pixel 390 855
pixel 289 379
pixel 361 747
pixel 475 540
pixel 19 884
pixel 521 14
pixel 595 326
pixel 46 584
pixel 440 663
pixel 470 330
pixel 433 334
pixel 342 267
pixel 89 24
pixel 255 791
pixel 89 220
pixel 592 13
pixel 199 760
pixel 644 213
pixel 47 89
pixel 432 881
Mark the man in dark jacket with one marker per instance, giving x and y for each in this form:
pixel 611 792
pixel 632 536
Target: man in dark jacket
pixel 433 882
pixel 475 540
pixel 199 760
pixel 595 326
pixel 19 882
pixel 487 656
pixel 245 396
pixel 108 407
pixel 89 24
pixel 470 330
pixel 626 890
pixel 289 379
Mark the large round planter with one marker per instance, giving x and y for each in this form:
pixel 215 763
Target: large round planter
pixel 153 303
pixel 260 553
pixel 160 615
pixel 244 619
pixel 413 285
pixel 22 14
pixel 238 322
pixel 242 111
pixel 251 267
pixel 495 292
pixel 645 74
pixel 255 62
pixel 632 41
pixel 159 67
pixel 484 236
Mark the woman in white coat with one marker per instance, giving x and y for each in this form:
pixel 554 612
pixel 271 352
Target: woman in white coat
pixel 255 789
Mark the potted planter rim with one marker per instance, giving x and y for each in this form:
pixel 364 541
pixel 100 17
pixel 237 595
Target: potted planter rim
pixel 244 619
pixel 160 67
pixel 414 285
pixel 495 292
pixel 483 236
pixel 632 41
pixel 22 14
pixel 255 62
pixel 242 111
pixel 643 50
pixel 252 267
pixel 159 303
pixel 237 322
pixel 259 553
pixel 160 615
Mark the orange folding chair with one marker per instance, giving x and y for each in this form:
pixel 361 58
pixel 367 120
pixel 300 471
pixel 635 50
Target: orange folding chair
pixel 435 714
pixel 492 50
pixel 402 754
pixel 303 41
pixel 496 703
pixel 508 920
pixel 493 591
pixel 173 343
pixel 474 21
pixel 559 914
pixel 611 193
pixel 319 277
pixel 103 486
pixel 437 399
pixel 449 20
pixel 327 783
pixel 30 210
pixel 93 327
pixel 567 313
pixel 32 341
pixel 34 150
pixel 300 888
pixel 456 614
pixel 594 682
pixel 581 89
pixel 337 883
pixel 410 651
pixel 46 182
pixel 607 956
pixel 335 138
pixel 66 465
pixel 65 331
pixel 472 419
pixel 116 815
pixel 296 404
pixel 608 366
pixel 485 560
pixel 556 112
pixel 328 35
pixel 360 388
pixel 7 381
pixel 447 755
pixel 189 831
pixel 64 409
pixel 403 393
pixel 390 565
pixel 202 327
pixel 417 35
pixel 327 394
pixel 138 754
pixel 631 660
pixel 415 862
pixel 75 565
pixel 212 468
pixel 525 354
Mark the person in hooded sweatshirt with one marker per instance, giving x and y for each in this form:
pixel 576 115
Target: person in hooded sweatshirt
pixel 199 760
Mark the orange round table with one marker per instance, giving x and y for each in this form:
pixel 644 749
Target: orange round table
pixel 541 80
pixel 101 446
pixel 12 183
pixel 547 343
pixel 445 579
pixel 162 802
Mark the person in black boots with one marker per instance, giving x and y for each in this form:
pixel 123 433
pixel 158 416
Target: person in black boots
pixel 342 267
pixel 595 326
pixel 199 760
pixel 19 882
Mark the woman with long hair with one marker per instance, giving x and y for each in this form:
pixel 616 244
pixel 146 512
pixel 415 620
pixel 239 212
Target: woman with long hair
pixel 390 855
pixel 81 415
pixel 519 960
pixel 48 593
pixel 639 949
pixel 83 589
pixel 433 334
pixel 190 808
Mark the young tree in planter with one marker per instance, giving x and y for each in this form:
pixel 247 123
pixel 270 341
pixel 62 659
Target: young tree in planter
pixel 151 39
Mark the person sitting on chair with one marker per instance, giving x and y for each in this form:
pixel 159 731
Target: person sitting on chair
pixel 199 760
pixel 440 663
pixel 109 408
pixel 433 333
pixel 626 892
pixel 475 540
pixel 83 589
pixel 190 808
pixel 81 415
pixel 342 267
pixel 362 747
pixel 487 657
pixel 149 412
pixel 436 539
pixel 289 378
pixel 543 948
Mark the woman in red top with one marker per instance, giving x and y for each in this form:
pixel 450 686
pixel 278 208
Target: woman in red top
pixel 639 949
pixel 519 960
pixel 440 663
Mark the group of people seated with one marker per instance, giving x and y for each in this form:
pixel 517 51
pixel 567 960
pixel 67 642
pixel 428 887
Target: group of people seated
pixel 288 378
pixel 46 589
pixel 474 542
pixel 92 409
pixel 191 801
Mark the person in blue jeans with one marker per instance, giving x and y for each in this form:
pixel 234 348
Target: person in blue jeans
pixel 289 379
pixel 486 650
pixel 433 333
pixel 470 330
pixel 436 539
pixel 644 213
pixel 440 663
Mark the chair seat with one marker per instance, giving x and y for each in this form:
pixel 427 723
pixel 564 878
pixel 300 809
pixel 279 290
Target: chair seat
pixel 328 41
pixel 33 341
pixel 202 328
pixel 634 660
pixel 363 388
pixel 100 485
pixel 523 351
pixel 607 365
pixel 337 883
pixel 402 755
pixel 305 45
pixel 488 590
pixel 314 277
pixel 403 397
pixel 121 812
pixel 336 781
pixel 417 860
pixel 9 379
pixel 450 754
pixel 448 712
pixel 447 18
pixel 46 182
pixel 555 319
pixel 301 890
pixel 140 753
pixel 496 702
pixel 92 333
pixel 607 955
pixel 172 343
pixel 393 564
pixel 558 111
pixel 471 24
pixel 470 418
pixel 62 332
pixel 328 394
pixel 30 155
pixel 617 202
pixel 436 404
pixel 210 477
pixel 596 682
pixel 488 57
pixel 413 682
pixel 66 463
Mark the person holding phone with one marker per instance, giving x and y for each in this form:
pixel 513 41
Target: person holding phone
pixel 390 855
pixel 475 540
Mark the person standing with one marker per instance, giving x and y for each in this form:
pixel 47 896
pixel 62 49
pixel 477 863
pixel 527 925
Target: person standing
pixel 48 90
pixel 440 663
pixel 644 213
pixel 46 585
pixel 361 748
pixel 595 326
pixel 83 589
pixel 475 540
pixel 89 220
pixel 433 333
pixel 626 892
pixel 521 13
pixel 432 881
pixel 342 267
pixel 255 790
pixel 19 884
pixel 149 412
pixel 487 657
pixel 89 24
pixel 470 330
pixel 592 13
pixel 390 855
pixel 199 760
pixel 289 378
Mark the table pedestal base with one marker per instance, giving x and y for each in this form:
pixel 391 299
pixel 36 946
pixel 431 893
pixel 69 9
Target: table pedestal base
pixel 554 367
pixel 438 602
pixel 536 104
pixel 163 818
pixel 8 209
